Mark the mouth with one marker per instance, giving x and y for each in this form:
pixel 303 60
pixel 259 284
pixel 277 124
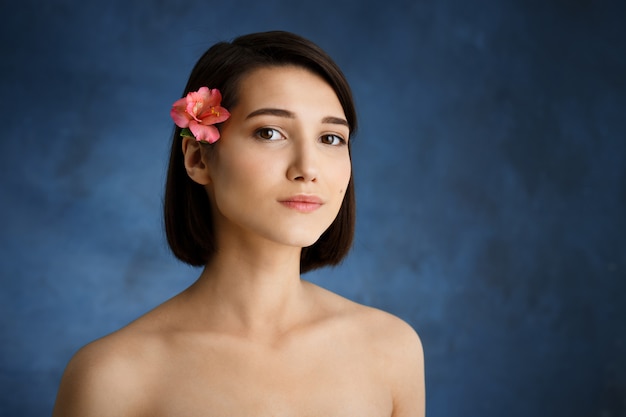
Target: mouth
pixel 303 203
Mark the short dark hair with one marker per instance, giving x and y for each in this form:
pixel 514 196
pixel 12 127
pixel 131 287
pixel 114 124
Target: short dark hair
pixel 188 222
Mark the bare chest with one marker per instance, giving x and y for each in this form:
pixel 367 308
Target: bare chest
pixel 233 381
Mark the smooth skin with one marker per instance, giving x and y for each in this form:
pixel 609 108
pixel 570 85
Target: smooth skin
pixel 250 337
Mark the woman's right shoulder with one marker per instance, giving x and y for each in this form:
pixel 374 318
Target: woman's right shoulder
pixel 109 376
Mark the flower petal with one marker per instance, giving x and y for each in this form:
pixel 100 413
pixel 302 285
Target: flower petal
pixel 179 115
pixel 204 133
pixel 215 98
pixel 214 115
pixel 198 101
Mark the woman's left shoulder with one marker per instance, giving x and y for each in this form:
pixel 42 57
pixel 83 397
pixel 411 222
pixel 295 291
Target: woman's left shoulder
pixel 387 345
pixel 396 348
pixel 380 328
pixel 388 331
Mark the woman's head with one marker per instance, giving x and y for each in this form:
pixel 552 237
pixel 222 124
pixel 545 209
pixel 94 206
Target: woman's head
pixel 188 218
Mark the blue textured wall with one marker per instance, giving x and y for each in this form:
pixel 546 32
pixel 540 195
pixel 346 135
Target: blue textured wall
pixel 490 168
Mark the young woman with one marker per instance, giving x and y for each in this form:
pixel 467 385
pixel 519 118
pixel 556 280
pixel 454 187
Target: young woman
pixel 259 190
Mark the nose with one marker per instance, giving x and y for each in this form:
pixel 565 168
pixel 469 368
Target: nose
pixel 304 164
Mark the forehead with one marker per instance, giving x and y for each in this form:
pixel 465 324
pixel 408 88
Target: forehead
pixel 288 87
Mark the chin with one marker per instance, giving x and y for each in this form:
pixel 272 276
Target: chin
pixel 304 240
pixel 304 243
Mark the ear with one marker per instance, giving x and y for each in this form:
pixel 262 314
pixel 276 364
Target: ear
pixel 195 165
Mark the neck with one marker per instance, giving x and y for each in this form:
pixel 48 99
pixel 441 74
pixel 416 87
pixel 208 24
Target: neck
pixel 251 292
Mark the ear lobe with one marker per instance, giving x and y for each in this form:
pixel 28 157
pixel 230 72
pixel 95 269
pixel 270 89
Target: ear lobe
pixel 195 166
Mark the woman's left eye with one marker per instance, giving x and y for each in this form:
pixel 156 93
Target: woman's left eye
pixel 332 140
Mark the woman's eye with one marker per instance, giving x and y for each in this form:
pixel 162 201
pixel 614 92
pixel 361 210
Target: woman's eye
pixel 332 140
pixel 267 133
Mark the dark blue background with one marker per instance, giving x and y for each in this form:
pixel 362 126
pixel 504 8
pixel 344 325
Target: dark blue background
pixel 490 173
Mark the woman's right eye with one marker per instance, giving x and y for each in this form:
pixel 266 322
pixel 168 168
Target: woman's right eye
pixel 268 133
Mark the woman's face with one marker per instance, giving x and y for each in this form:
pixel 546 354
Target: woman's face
pixel 281 167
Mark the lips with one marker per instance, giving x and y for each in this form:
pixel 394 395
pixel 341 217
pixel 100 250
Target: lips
pixel 303 203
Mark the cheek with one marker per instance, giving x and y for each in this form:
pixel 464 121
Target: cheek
pixel 344 173
pixel 236 164
pixel 231 179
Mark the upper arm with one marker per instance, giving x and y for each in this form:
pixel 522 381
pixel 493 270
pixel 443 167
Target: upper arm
pixel 405 369
pixel 98 381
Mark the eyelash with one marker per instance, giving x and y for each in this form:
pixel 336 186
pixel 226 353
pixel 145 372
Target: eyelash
pixel 336 140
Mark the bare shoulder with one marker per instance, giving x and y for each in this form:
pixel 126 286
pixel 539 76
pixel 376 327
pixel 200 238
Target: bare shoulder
pixel 389 336
pixel 391 347
pixel 397 348
pixel 381 328
pixel 108 377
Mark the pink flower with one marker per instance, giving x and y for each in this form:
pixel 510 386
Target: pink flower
pixel 198 112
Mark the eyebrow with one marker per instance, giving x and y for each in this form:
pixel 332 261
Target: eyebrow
pixel 291 115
